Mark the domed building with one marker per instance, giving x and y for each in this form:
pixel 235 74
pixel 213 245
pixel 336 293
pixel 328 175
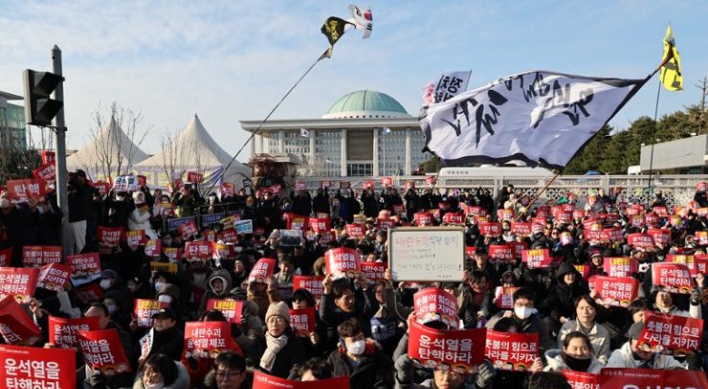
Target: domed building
pixel 363 134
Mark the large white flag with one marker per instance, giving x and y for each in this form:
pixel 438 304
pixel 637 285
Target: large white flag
pixel 450 85
pixel 537 117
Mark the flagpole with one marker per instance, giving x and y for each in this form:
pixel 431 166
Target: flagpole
pixel 538 195
pixel 652 140
pixel 255 132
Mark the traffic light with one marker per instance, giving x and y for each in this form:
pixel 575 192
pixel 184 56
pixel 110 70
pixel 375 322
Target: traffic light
pixel 40 108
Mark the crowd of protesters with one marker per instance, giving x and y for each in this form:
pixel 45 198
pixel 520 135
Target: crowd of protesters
pixel 576 329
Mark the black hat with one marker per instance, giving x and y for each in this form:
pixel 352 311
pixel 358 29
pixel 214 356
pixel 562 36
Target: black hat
pixel 80 172
pixel 635 330
pixel 165 313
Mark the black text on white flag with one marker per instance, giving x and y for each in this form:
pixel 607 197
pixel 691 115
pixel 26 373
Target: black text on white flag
pixel 537 117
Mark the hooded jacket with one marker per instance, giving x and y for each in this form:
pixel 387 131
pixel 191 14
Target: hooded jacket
pixel 225 277
pixel 560 300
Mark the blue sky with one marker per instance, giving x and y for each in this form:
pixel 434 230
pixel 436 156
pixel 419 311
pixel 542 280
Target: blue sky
pixel 233 60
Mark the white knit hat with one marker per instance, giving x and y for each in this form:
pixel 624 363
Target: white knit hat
pixel 278 309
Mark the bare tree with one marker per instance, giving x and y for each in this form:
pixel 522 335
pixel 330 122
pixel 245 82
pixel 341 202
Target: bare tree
pixel 173 159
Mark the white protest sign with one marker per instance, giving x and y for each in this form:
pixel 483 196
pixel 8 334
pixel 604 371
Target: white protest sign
pixel 426 254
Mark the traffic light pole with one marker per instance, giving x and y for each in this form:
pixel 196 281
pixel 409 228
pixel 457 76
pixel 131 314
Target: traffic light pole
pixel 60 150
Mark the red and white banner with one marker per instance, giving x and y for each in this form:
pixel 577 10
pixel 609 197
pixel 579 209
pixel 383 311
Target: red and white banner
pixel 63 332
pixel 230 308
pixel 103 351
pixel 37 368
pixel 48 156
pixel 454 218
pixel 198 249
pixel 188 229
pixel 673 277
pixel 503 296
pixel 296 222
pixel 6 257
pixel 501 253
pixel 385 224
pixel 424 219
pixel 490 229
pixel 581 379
pixel 46 172
pixel 374 270
pixel 18 282
pixel 87 293
pixel 319 225
pixel 265 381
pixel 537 258
pixel 54 277
pixel 511 351
pixel 172 253
pixel 262 271
pixel 342 262
pixel 661 236
pixel 23 190
pixel 436 304
pixel 456 349
pixel 206 339
pixel 16 327
pixel 640 241
pixel 611 378
pixel 620 266
pixel 615 291
pixel 386 181
pixel 355 231
pixel 312 284
pixel 144 309
pixel 109 235
pixel 701 238
pixel 153 247
pixel 521 228
pixel 84 265
pixel 302 321
pixel 134 238
pixel 102 187
pixel 688 260
pixel 671 333
pixel 195 177
pixel 38 256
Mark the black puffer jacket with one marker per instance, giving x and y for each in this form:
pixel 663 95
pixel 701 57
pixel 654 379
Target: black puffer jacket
pixel 374 369
pixel 560 300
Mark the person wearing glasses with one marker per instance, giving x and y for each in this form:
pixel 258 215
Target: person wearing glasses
pixel 282 350
pixel 229 373
pixel 160 371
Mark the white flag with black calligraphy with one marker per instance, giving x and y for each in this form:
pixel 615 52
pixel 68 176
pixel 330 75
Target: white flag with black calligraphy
pixel 450 85
pixel 537 117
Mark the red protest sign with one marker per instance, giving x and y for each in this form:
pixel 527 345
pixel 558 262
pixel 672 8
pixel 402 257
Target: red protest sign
pixel 18 282
pixel 661 211
pixel 195 177
pixel 474 211
pixel 23 190
pixel 456 349
pixel 341 262
pixel 521 228
pixel 374 270
pixel 227 189
pixel 581 379
pixel 230 308
pixel 611 378
pixel 424 219
pixel 296 222
pixel 319 225
pixel 135 238
pixel 46 172
pixel 102 187
pixel 583 269
pixel 38 256
pixel 505 214
pixel 109 235
pixel 103 351
pixel 436 304
pixel 144 309
pixel 674 277
pixel 660 236
pixel 265 381
pixel 312 284
pixel 384 224
pixel 613 234
pixel 54 277
pixel 262 271
pixel 386 181
pixel 153 248
pixel 302 321
pixel 84 265
pixel 48 156
pixel 16 327
pixel 615 291
pixel 641 241
pixel 620 266
pixel 671 333
pixel 500 253
pixel 188 229
pixel 454 218
pixel 355 231
pixel 537 258
pixel 701 263
pixel 32 367
pixel 490 229
pixel 198 249
pixel 511 351
pixel 172 253
pixel 701 238
pixel 503 296
pixel 206 339
pixel 6 257
pixel 62 332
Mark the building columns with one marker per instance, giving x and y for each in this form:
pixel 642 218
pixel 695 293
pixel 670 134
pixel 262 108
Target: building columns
pixel 407 166
pixel 343 154
pixel 281 141
pixel 313 165
pixel 375 170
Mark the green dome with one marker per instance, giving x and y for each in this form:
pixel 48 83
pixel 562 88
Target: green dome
pixel 366 104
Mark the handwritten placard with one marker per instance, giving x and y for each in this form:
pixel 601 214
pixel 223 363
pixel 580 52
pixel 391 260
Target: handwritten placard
pixel 426 254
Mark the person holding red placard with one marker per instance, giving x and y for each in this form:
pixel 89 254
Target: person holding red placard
pixel 341 301
pixel 575 354
pixel 630 355
pixel 664 303
pixel 525 318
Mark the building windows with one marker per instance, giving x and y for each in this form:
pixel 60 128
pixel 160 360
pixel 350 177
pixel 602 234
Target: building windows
pixel 359 169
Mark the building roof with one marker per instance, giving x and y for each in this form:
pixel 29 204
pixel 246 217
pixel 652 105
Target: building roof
pixel 366 104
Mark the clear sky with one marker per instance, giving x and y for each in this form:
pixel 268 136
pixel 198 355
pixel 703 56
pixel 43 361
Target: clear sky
pixel 233 60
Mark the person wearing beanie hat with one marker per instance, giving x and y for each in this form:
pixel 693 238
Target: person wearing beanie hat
pixel 281 349
pixel 635 356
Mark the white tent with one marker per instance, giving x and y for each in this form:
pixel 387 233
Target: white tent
pixel 193 151
pixel 109 149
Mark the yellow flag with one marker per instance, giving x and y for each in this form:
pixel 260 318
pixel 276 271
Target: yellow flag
pixel 671 75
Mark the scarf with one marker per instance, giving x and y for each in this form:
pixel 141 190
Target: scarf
pixel 273 345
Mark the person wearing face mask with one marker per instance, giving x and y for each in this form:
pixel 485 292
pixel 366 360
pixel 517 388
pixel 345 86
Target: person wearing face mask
pixel 118 308
pixel 360 359
pixel 281 349
pixel 525 318
pixel 112 283
pixel 632 355
pixel 161 372
pixel 576 354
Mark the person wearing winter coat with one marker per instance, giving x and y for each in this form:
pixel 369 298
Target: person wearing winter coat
pixel 160 371
pixel 560 301
pixel 525 318
pixel 360 359
pixel 229 372
pixel 585 322
pixel 164 336
pixel 218 286
pixel 484 378
pixel 575 354
pixel 139 218
pixel 631 355
pixel 664 303
pixel 281 350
